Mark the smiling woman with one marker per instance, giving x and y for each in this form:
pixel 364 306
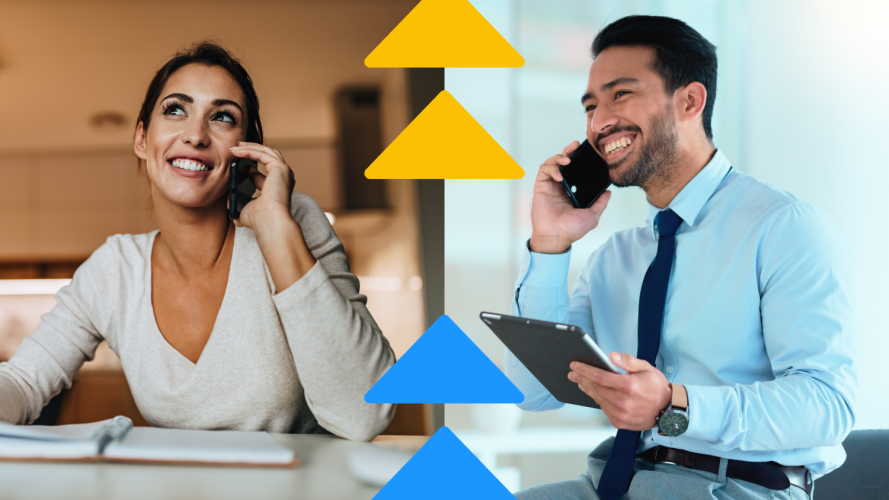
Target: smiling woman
pixel 254 324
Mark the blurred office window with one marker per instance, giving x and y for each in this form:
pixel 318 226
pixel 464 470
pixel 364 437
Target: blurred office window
pixel 801 95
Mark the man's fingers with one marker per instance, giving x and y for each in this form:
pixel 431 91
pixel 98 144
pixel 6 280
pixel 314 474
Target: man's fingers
pixel 599 205
pixel 548 171
pixel 597 375
pixel 589 388
pixel 570 148
pixel 604 396
pixel 629 363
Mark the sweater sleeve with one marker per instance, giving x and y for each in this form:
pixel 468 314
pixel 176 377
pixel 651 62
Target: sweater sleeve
pixel 67 336
pixel 338 350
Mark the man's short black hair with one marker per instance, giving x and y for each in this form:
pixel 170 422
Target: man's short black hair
pixel 682 55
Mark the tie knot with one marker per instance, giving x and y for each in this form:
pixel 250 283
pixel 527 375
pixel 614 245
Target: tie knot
pixel 667 222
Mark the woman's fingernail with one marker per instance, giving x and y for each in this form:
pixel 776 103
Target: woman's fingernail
pixel 571 376
pixel 617 357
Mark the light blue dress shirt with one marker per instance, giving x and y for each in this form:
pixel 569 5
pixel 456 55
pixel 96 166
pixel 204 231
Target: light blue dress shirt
pixel 758 322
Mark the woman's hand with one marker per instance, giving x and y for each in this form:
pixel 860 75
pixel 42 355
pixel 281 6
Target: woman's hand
pixel 276 187
pixel 279 237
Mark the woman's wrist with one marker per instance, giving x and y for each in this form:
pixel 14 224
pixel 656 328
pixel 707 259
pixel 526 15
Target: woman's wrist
pixel 271 221
pixel 281 242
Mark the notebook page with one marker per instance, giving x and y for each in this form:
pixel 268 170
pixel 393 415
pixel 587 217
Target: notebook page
pixel 180 445
pixel 72 432
pixel 31 449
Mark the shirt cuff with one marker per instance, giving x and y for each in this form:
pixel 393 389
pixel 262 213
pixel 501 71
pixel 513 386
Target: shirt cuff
pixel 548 270
pixel 706 409
pixel 302 288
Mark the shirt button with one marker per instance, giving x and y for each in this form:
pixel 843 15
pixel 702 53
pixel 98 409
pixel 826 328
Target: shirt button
pixel 669 369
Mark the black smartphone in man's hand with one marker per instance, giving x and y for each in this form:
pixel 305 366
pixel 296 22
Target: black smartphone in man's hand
pixel 242 189
pixel 586 177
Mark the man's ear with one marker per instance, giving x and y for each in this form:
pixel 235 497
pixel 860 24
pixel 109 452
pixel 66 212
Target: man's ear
pixel 139 145
pixel 690 101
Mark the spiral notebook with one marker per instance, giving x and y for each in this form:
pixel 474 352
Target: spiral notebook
pixel 116 440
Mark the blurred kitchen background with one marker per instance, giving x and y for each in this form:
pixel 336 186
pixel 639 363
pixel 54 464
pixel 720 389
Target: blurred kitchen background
pixel 72 77
pixel 802 97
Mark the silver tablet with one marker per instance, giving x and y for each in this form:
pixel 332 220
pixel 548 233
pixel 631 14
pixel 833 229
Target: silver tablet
pixel 547 350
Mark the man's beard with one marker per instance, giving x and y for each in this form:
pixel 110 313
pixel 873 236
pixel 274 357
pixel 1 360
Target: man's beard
pixel 656 156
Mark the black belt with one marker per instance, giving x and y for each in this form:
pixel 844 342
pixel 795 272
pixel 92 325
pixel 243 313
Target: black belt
pixel 772 475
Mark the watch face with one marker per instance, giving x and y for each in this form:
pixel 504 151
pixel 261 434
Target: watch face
pixel 673 423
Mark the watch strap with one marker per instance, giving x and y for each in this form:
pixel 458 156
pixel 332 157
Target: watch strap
pixel 680 397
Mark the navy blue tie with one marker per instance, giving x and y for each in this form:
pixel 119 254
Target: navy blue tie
pixel 618 471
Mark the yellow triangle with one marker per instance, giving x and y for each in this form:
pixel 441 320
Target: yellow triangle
pixel 444 142
pixel 444 34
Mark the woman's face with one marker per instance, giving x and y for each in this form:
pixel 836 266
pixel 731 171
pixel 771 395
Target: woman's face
pixel 200 114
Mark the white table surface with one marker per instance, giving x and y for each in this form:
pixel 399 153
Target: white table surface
pixel 322 474
pixel 487 445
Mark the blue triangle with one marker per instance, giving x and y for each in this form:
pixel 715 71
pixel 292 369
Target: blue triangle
pixel 444 366
pixel 444 469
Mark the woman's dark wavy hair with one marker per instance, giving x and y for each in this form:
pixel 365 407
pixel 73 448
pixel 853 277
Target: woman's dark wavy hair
pixel 208 54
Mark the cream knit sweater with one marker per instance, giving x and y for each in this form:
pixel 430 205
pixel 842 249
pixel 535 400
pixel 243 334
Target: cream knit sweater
pixel 296 361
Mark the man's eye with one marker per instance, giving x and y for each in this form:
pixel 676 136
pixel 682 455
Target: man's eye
pixel 590 107
pixel 620 93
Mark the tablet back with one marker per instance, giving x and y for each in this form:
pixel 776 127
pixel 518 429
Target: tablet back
pixel 547 350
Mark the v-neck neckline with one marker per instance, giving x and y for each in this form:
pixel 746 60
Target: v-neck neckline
pixel 160 336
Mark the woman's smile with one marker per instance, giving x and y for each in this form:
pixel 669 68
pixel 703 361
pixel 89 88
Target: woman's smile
pixel 190 165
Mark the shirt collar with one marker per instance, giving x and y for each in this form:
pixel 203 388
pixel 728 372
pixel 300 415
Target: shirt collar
pixel 689 202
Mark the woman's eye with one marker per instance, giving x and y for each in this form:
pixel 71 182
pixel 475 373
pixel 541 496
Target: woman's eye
pixel 174 109
pixel 225 117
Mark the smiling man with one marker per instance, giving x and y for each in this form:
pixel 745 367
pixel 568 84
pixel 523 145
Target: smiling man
pixel 730 312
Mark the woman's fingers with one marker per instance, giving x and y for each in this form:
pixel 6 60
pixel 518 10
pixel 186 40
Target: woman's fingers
pixel 260 147
pixel 256 177
pixel 263 154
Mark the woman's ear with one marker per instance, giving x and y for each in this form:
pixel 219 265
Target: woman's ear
pixel 139 145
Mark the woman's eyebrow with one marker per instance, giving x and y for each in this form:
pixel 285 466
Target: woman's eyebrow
pixel 222 102
pixel 181 97
pixel 218 102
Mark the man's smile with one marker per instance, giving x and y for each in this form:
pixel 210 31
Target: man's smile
pixel 615 146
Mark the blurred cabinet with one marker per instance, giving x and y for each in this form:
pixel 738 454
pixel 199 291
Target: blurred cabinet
pixel 98 395
pixel 102 394
pixel 359 129
pixel 64 206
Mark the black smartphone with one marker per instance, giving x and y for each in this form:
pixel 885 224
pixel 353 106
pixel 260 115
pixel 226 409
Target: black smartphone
pixel 241 189
pixel 586 177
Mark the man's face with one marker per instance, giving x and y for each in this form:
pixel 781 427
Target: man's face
pixel 630 120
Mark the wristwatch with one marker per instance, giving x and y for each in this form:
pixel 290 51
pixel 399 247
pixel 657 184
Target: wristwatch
pixel 673 421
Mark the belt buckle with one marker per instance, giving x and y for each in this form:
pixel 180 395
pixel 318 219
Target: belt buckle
pixel 659 448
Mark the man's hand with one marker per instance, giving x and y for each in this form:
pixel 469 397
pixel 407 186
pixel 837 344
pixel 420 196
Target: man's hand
pixel 556 223
pixel 632 400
